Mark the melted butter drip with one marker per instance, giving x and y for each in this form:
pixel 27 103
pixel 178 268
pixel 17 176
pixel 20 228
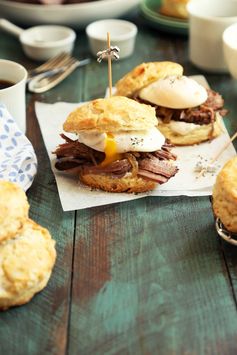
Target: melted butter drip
pixel 110 150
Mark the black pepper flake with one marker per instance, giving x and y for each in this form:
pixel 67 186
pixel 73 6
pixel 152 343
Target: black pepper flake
pixel 136 141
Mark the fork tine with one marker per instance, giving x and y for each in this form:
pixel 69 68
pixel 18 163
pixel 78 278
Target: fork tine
pixel 65 61
pixel 42 83
pixel 50 64
pixel 69 63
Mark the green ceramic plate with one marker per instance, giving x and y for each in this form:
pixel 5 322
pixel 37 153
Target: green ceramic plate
pixel 150 12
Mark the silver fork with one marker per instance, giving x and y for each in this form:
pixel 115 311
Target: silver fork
pixel 48 78
pixel 55 62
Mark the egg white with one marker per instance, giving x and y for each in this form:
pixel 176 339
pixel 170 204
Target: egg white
pixel 175 92
pixel 132 141
pixel 182 128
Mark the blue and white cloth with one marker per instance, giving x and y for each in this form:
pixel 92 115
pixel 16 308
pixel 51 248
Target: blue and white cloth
pixel 18 162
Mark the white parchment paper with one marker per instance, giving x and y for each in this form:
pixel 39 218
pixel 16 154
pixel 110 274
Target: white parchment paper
pixel 74 195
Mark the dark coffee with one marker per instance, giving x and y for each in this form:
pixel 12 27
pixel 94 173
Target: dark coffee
pixel 5 84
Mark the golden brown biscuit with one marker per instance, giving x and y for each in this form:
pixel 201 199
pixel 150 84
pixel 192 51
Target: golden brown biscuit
pixel 174 8
pixel 13 209
pixel 145 74
pixel 26 262
pixel 111 115
pixel 225 195
pixel 200 133
pixel 113 184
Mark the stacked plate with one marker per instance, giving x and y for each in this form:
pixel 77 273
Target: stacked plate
pixel 150 12
pixel 76 15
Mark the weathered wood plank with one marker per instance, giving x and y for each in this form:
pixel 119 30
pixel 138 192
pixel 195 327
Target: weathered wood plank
pixel 149 276
pixel 40 327
pixel 144 283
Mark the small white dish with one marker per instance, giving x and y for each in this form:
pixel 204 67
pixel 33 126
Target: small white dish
pixel 229 41
pixel 122 34
pixel 42 42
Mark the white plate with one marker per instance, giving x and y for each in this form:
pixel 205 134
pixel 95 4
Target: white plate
pixel 75 15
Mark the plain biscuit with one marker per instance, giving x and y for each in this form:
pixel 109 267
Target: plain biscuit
pixel 14 209
pixel 225 195
pixel 26 262
pixel 145 74
pixel 111 115
pixel 126 183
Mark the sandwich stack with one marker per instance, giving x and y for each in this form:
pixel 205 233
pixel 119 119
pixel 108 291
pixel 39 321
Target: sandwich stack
pixel 118 147
pixel 187 112
pixel 27 251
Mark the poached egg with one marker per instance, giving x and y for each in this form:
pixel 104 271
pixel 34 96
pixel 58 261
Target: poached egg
pixel 114 144
pixel 175 92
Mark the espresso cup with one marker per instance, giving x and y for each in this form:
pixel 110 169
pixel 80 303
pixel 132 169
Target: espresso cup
pixel 207 21
pixel 13 78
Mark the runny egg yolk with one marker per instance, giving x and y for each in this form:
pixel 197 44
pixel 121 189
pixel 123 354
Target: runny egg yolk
pixel 110 150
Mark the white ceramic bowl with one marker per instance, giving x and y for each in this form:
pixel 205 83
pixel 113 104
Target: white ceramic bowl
pixel 44 42
pixel 122 34
pixel 230 48
pixel 72 15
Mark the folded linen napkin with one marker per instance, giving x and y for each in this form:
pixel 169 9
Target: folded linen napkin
pixel 18 162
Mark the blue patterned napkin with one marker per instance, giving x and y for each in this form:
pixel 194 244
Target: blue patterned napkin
pixel 18 162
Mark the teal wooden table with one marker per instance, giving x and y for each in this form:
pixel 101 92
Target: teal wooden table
pixel 144 277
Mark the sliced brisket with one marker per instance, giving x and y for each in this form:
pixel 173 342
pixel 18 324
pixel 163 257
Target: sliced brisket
pixel 151 176
pixel 157 166
pixel 73 156
pixel 118 168
pixel 203 114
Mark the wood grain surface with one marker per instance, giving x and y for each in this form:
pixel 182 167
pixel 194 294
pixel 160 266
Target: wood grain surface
pixel 144 277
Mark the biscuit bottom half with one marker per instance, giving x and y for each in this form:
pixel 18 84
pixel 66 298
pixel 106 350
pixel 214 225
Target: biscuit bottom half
pixel 128 183
pixel 198 135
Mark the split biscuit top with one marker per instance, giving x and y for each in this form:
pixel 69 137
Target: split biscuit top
pixel 26 262
pixel 225 195
pixel 13 209
pixel 145 74
pixel 112 114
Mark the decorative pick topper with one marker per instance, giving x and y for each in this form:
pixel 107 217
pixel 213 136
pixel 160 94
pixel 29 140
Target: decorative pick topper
pixel 112 52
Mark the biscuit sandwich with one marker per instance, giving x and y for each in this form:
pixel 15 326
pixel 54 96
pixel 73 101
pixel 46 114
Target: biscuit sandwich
pixel 224 197
pixel 118 147
pixel 187 112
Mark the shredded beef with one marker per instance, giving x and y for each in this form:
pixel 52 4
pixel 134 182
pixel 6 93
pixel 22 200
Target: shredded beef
pixel 203 114
pixel 67 163
pixel 156 166
pixel 75 149
pixel 118 168
pixel 152 176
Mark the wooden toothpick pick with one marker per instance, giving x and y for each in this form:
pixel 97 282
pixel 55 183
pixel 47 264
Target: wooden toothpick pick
pixel 112 52
pixel 109 66
pixel 224 148
pixel 204 169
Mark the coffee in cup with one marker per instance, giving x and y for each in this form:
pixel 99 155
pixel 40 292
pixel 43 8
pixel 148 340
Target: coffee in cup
pixel 12 90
